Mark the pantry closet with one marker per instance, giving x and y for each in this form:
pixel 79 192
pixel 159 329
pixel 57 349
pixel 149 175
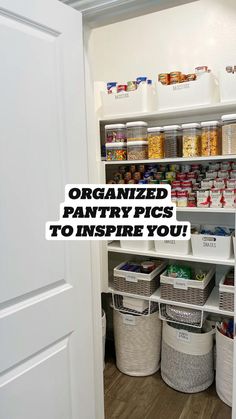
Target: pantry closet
pixel 177 39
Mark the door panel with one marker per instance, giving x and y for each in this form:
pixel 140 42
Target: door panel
pixel 46 307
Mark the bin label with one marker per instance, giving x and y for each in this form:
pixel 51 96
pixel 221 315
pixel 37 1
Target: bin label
pixel 128 319
pixel 183 335
pixel 180 284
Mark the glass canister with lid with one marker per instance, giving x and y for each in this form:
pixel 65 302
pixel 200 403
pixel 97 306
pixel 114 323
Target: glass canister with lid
pixel 210 138
pixel 172 141
pixel 116 151
pixel 115 133
pixel 191 140
pixel 229 134
pixel 137 150
pixel 136 131
pixel 155 143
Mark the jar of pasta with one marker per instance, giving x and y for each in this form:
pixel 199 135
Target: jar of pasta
pixel 136 131
pixel 229 134
pixel 172 141
pixel 155 143
pixel 137 150
pixel 210 138
pixel 191 140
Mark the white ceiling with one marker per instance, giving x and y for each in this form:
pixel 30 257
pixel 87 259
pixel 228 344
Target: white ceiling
pixel 104 12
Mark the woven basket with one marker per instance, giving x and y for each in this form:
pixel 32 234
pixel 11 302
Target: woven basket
pixel 137 343
pixel 187 359
pixel 226 296
pixel 224 367
pixel 196 292
pixel 137 283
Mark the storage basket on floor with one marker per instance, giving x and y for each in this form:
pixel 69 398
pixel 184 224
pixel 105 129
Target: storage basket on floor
pixel 187 359
pixel 226 296
pixel 187 291
pixel 137 343
pixel 138 283
pixel 224 367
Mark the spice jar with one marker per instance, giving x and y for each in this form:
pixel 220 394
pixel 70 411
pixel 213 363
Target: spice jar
pixel 155 143
pixel 116 151
pixel 191 140
pixel 137 150
pixel 136 131
pixel 172 141
pixel 210 139
pixel 229 134
pixel 115 133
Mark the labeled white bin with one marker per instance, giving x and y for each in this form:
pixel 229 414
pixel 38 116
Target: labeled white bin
pixel 227 84
pixel 202 91
pixel 210 246
pixel 173 247
pixel 137 244
pixel 187 359
pixel 141 100
pixel 137 343
pixel 224 367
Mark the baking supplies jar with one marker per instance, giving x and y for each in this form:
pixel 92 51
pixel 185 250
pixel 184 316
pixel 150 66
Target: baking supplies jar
pixel 172 141
pixel 155 143
pixel 115 133
pixel 229 134
pixel 137 150
pixel 136 131
pixel 116 151
pixel 210 138
pixel 191 140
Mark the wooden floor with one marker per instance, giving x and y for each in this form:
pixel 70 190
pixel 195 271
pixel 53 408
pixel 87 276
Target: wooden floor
pixel 150 398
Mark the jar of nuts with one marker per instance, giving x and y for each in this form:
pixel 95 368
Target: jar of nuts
pixel 155 143
pixel 137 150
pixel 211 138
pixel 172 141
pixel 191 140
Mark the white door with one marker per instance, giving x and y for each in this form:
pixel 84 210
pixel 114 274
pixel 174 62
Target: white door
pixel 46 317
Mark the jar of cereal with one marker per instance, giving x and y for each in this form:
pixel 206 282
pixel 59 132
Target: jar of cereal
pixel 155 143
pixel 191 140
pixel 229 134
pixel 211 138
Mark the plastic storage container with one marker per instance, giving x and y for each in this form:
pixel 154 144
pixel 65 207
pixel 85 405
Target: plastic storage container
pixel 115 133
pixel 136 131
pixel 116 151
pixel 191 140
pixel 210 138
pixel 229 134
pixel 137 343
pixel 137 150
pixel 211 246
pixel 224 367
pixel 137 244
pixel 172 141
pixel 173 247
pixel 187 358
pixel 155 143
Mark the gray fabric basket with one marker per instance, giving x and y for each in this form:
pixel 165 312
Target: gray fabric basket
pixel 137 343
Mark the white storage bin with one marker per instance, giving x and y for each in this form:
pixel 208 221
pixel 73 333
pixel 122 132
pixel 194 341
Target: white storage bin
pixel 173 247
pixel 137 343
pixel 141 100
pixel 227 84
pixel 210 246
pixel 187 359
pixel 224 367
pixel 202 91
pixel 137 244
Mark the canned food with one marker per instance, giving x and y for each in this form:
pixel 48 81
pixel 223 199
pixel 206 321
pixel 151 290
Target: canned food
pixel 176 184
pixel 111 87
pixel 154 181
pixel 141 80
pixel 191 77
pixel 122 169
pixel 132 168
pixel 128 176
pixel 142 182
pixel 175 77
pixel 121 88
pixel 170 175
pixel 181 176
pixel 164 182
pixel 131 181
pixel 174 167
pixel 131 85
pixel 159 175
pixel 137 176
pixel 186 168
pixel 164 78
pixel 141 168
pixel 183 78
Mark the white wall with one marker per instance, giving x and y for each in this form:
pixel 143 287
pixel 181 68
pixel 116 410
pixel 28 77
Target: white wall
pixel 200 33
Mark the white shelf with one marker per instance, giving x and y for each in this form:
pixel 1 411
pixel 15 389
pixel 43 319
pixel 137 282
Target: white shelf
pixel 172 160
pixel 207 210
pixel 115 247
pixel 217 109
pixel 211 305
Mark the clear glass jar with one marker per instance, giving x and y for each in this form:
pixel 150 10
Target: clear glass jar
pixel 155 143
pixel 115 133
pixel 137 150
pixel 210 138
pixel 191 140
pixel 116 151
pixel 172 141
pixel 229 134
pixel 136 131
